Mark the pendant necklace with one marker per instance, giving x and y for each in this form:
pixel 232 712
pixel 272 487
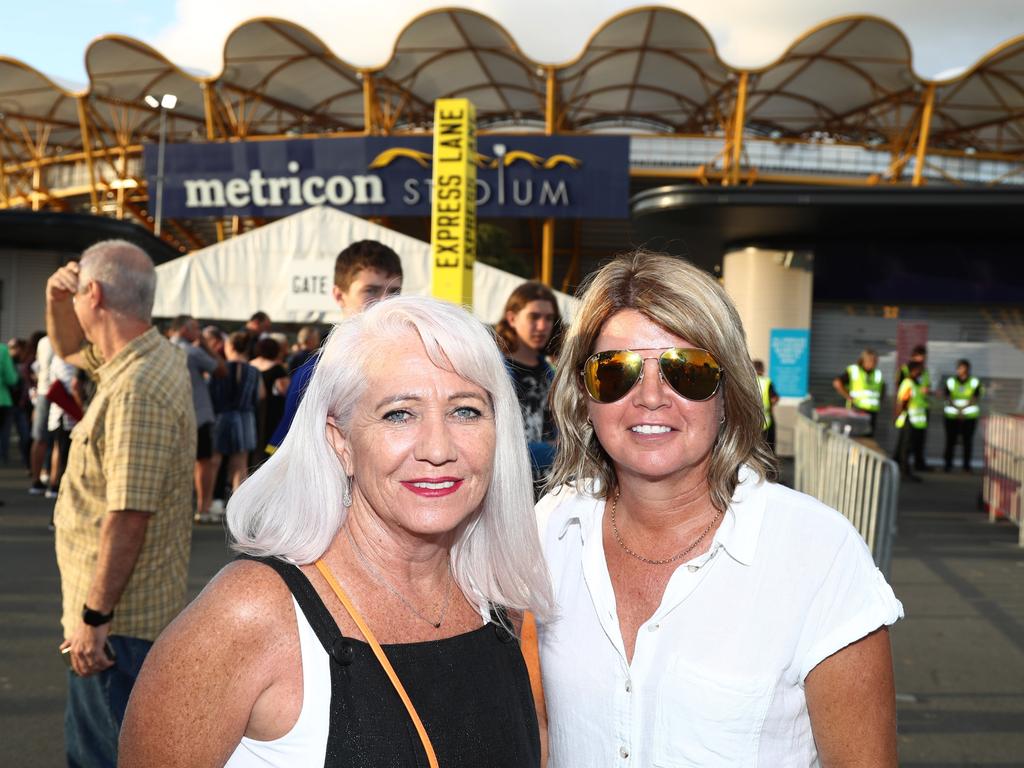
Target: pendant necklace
pixel 379 578
pixel 649 561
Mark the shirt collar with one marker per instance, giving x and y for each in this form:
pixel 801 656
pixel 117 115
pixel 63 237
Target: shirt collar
pixel 738 534
pixel 137 347
pixel 740 530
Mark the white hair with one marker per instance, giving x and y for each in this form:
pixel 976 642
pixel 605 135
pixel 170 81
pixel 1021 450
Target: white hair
pixel 291 508
pixel 126 274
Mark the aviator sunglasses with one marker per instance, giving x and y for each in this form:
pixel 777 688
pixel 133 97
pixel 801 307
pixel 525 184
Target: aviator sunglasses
pixel 693 373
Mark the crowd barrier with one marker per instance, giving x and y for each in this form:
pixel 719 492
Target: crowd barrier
pixel 860 482
pixel 1002 486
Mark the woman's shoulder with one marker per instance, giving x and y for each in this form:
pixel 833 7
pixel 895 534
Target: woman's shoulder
pixel 794 520
pixel 244 598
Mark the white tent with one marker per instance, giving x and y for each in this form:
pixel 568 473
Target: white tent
pixel 286 269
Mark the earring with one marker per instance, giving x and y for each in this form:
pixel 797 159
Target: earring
pixel 346 494
pixel 722 420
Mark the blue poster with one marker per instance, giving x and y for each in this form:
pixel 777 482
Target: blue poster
pixel 790 359
pixel 517 176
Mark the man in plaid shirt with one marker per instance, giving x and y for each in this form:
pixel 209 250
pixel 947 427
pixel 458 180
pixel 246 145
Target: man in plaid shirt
pixel 124 513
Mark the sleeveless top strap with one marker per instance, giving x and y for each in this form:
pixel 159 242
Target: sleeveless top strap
pixel 339 648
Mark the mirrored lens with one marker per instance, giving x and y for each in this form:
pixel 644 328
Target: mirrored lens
pixel 608 376
pixel 693 373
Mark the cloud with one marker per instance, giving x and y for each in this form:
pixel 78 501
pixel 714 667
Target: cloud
pixel 944 33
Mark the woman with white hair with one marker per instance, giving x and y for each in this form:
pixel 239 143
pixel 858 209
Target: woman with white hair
pixel 391 551
pixel 707 616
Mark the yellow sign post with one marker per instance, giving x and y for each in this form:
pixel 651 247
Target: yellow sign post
pixel 453 208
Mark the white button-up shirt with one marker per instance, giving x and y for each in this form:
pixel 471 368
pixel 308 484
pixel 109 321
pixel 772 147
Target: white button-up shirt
pixel 717 675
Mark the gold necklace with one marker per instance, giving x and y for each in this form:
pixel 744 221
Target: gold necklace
pixel 379 578
pixel 649 561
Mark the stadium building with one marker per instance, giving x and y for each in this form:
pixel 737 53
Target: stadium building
pixel 835 191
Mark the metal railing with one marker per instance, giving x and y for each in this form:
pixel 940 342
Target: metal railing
pixel 1002 486
pixel 861 483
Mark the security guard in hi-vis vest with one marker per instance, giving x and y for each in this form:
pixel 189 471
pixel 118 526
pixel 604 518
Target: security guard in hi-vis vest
pixel 911 418
pixel 769 397
pixel 920 354
pixel 862 387
pixel 962 411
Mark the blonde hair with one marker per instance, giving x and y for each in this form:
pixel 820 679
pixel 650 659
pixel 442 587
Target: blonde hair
pixel 687 302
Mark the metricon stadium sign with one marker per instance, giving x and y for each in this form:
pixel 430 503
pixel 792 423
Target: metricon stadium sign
pixel 517 176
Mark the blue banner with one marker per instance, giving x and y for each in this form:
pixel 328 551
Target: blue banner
pixel 790 350
pixel 517 176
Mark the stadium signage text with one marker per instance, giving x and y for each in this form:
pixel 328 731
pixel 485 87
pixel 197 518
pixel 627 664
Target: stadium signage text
pixel 517 176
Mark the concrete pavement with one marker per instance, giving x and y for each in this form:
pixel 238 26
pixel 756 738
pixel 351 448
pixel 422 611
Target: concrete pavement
pixel 959 654
pixel 33 678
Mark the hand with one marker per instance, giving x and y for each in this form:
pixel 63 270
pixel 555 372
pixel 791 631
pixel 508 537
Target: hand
pixel 63 284
pixel 87 654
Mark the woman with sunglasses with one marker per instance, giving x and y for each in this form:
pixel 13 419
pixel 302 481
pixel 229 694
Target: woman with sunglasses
pixel 706 615
pixel 390 546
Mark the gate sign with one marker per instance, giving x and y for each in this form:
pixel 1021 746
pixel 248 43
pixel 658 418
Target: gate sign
pixel 790 350
pixel 453 213
pixel 518 176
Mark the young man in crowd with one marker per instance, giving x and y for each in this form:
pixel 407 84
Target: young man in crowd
pixel 365 272
pixel 525 334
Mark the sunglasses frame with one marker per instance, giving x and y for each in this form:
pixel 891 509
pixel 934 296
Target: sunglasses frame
pixel 661 373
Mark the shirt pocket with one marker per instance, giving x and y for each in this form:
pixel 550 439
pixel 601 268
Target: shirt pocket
pixel 707 719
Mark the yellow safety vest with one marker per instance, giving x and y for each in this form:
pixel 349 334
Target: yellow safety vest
pixel 917 407
pixel 925 379
pixel 766 401
pixel 865 388
pixel 960 395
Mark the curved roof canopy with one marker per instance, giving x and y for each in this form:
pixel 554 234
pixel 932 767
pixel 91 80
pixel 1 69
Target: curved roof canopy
pixel 278 77
pixel 647 70
pixel 459 54
pixel 851 79
pixel 37 117
pixel 654 66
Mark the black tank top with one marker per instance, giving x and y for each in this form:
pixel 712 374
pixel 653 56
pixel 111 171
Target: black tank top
pixel 471 691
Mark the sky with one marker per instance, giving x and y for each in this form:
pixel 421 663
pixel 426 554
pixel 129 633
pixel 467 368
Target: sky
pixel 53 35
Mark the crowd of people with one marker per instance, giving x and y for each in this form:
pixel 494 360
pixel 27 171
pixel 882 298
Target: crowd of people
pixel 398 597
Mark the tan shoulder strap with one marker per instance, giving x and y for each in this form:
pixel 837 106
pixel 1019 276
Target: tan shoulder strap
pixel 379 653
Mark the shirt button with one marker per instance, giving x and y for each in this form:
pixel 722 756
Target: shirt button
pixel 653 627
pixel 629 687
pixel 623 753
pixel 692 568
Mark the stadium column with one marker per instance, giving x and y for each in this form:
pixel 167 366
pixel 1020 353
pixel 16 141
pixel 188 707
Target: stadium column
pixel 773 291
pixel 547 264
pixel 922 139
pixel 83 123
pixel 369 101
pixel 211 134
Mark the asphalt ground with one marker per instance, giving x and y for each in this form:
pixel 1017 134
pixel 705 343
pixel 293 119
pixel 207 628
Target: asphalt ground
pixel 959 653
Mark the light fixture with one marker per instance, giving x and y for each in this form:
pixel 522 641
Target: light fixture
pixel 165 103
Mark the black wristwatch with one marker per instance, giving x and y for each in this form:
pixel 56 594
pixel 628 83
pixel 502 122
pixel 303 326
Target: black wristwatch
pixel 95 618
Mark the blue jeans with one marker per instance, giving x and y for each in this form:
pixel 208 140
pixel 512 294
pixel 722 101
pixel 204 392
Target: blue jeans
pixel 96 705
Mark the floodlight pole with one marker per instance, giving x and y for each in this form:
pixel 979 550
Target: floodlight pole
pixel 160 172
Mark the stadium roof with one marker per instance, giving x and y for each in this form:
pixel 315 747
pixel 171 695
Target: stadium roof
pixel 846 87
pixel 649 69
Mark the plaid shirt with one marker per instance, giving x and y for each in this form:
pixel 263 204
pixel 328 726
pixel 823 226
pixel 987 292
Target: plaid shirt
pixel 134 449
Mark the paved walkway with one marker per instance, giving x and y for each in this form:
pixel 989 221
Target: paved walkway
pixel 959 654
